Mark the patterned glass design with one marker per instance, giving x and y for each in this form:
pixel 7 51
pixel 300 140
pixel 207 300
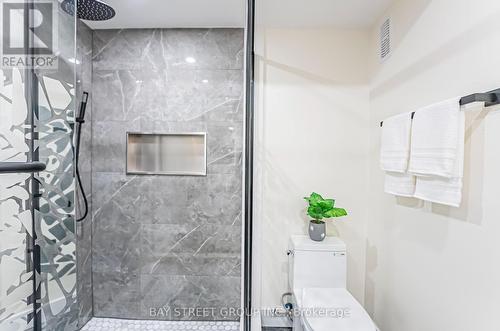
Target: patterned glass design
pixel 16 276
pixel 37 110
pixel 55 217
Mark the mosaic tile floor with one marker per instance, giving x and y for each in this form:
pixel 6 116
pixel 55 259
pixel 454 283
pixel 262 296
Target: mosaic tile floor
pixel 112 324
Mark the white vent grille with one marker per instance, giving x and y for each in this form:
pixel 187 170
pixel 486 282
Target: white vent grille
pixel 385 39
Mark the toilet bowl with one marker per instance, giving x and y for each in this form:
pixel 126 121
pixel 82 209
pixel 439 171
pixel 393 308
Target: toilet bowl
pixel 317 277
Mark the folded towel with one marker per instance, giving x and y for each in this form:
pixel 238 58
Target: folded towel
pixel 400 184
pixel 435 139
pixel 437 153
pixel 395 144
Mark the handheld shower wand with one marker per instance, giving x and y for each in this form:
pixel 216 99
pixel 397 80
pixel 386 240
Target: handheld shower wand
pixel 83 106
pixel 80 119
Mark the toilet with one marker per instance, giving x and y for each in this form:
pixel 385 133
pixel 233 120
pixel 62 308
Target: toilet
pixel 317 278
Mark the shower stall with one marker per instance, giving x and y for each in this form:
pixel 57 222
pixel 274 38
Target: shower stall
pixel 122 172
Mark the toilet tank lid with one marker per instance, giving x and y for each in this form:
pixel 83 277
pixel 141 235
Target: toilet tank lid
pixel 304 243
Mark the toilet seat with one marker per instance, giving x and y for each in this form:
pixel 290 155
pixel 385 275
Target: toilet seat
pixel 332 309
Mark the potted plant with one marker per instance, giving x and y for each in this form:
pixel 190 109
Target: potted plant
pixel 318 210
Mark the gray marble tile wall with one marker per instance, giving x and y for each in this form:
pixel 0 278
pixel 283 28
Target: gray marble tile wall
pixel 167 242
pixel 84 229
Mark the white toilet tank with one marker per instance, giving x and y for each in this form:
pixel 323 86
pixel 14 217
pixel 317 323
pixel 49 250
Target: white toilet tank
pixel 314 264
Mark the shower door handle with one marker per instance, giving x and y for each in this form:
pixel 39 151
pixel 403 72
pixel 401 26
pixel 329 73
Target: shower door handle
pixel 21 167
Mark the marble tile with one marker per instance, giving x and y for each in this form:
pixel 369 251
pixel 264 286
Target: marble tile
pixel 84 55
pixel 122 49
pixel 86 180
pixel 145 199
pixel 165 201
pixel 84 83
pixel 230 111
pixel 86 177
pixel 157 48
pixel 116 294
pixel 116 253
pixel 109 145
pixel 84 272
pixel 208 240
pixel 226 240
pixel 179 235
pixel 126 191
pixel 174 293
pixel 225 147
pixel 211 48
pixel 193 93
pixel 84 254
pixel 170 95
pixel 187 264
pixel 116 92
pixel 195 239
pixel 215 199
pixel 116 240
pixel 85 155
pixel 229 163
pixel 200 250
pixel 163 238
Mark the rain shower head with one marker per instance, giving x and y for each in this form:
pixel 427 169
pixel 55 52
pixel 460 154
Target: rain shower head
pixel 90 10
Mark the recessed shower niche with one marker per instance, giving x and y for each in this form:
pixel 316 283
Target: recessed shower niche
pixel 167 154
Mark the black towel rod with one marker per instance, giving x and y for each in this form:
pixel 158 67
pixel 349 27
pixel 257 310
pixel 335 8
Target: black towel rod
pixel 21 167
pixel 491 98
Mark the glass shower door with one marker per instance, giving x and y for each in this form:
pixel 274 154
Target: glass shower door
pixel 37 189
pixel 16 230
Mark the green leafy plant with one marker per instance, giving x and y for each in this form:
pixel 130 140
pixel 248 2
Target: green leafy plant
pixel 320 208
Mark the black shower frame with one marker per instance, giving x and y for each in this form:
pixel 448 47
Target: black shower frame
pixel 31 95
pixel 249 148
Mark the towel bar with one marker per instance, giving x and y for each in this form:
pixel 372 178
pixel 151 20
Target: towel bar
pixel 490 98
pixel 21 167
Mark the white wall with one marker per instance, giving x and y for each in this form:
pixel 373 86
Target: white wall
pixel 430 267
pixel 311 135
pixel 415 266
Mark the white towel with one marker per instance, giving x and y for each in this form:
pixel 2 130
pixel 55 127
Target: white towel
pixel 436 132
pixel 400 184
pixel 395 143
pixel 437 152
pixel 446 191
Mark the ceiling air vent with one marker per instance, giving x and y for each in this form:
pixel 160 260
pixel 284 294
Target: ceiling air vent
pixel 385 39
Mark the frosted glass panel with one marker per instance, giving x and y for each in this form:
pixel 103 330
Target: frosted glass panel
pixel 37 226
pixel 167 154
pixel 16 267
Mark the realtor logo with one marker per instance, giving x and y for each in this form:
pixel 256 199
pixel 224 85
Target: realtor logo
pixel 28 34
